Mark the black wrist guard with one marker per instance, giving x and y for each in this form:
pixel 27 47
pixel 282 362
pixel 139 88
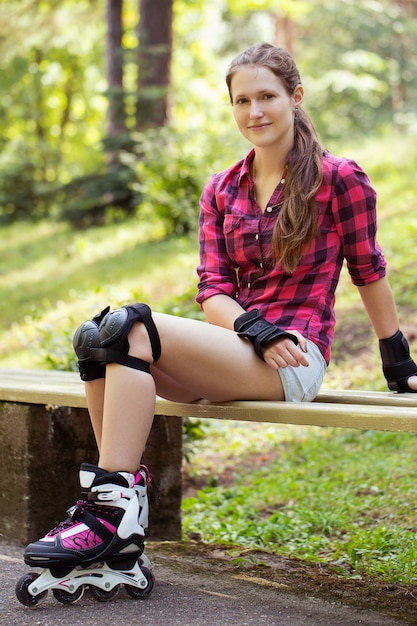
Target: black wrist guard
pixel 397 363
pixel 252 326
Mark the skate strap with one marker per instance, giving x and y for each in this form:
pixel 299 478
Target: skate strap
pixel 81 512
pixel 143 477
pixel 110 495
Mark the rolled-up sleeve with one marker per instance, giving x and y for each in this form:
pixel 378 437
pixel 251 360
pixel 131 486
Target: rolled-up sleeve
pixel 356 222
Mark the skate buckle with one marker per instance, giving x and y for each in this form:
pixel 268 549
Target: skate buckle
pixel 108 496
pixel 143 474
pixel 72 511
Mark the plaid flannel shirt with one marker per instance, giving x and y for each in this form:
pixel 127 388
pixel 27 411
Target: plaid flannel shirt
pixel 235 248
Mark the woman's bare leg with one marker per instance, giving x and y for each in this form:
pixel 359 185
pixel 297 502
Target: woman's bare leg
pixel 129 403
pixel 198 360
pixel 212 362
pixel 94 391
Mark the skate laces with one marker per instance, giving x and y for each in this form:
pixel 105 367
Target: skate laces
pixel 73 514
pixel 76 513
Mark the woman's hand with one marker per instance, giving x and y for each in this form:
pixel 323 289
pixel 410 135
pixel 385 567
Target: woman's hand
pixel 412 382
pixel 284 352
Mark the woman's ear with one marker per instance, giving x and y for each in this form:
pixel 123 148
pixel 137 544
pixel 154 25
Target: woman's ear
pixel 298 95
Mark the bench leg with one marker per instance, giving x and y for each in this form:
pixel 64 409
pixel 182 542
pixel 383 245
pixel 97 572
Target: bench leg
pixel 41 449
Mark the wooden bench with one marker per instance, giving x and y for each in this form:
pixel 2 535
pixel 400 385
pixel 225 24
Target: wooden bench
pixel 45 434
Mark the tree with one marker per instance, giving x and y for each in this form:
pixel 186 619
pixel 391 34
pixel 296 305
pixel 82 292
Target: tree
pixel 87 199
pixel 154 63
pixel 116 123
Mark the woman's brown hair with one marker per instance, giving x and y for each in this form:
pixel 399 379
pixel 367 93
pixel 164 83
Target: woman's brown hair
pixel 296 225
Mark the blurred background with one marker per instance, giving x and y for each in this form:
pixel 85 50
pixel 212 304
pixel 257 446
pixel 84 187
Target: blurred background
pixel 114 114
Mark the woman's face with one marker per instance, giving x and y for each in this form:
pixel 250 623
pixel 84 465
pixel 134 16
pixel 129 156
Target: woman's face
pixel 262 108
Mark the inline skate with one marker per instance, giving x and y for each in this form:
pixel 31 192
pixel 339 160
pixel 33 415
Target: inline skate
pixel 100 545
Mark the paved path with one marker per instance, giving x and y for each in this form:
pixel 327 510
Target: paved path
pixel 188 592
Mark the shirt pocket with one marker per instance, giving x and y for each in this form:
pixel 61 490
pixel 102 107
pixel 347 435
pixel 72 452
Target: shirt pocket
pixel 242 240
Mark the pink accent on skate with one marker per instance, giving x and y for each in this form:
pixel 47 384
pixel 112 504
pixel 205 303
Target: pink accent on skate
pixel 81 537
pixel 65 583
pixel 81 541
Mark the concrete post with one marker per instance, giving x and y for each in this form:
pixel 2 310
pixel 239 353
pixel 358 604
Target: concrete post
pixel 42 448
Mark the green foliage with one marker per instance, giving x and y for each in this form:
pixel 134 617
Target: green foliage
pixel 53 96
pixel 18 192
pixel 55 350
pixel 170 179
pixel 194 431
pixel 97 198
pixel 184 305
pixel 344 498
pixel 358 79
pixel 51 107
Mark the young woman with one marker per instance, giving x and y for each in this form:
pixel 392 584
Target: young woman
pixel 275 229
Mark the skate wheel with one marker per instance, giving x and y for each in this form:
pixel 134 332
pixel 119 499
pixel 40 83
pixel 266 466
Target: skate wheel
pixel 104 596
pixel 64 597
pixel 22 590
pixel 139 593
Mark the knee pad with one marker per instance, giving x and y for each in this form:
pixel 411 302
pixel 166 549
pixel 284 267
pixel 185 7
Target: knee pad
pixel 113 334
pixel 104 339
pixel 85 339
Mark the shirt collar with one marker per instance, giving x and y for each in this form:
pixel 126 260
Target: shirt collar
pixel 245 170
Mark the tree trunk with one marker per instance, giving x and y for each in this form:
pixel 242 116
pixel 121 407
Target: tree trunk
pixel 154 63
pixel 284 32
pixel 116 122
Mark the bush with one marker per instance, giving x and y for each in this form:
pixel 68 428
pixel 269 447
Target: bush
pixel 23 193
pixel 171 178
pixel 93 199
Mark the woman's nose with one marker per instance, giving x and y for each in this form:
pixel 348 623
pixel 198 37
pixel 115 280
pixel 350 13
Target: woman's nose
pixel 256 109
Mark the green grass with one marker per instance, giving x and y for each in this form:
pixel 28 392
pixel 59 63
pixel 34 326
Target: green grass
pixel 341 497
pixel 52 277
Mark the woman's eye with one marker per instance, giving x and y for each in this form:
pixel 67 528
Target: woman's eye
pixel 268 96
pixel 241 101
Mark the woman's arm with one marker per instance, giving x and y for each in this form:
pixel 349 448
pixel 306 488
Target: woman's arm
pixel 379 303
pixel 222 310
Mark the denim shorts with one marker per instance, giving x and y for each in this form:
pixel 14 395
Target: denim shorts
pixel 302 384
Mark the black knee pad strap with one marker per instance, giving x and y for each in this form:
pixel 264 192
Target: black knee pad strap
pixel 116 326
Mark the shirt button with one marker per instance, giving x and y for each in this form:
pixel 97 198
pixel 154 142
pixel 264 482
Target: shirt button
pixel 256 237
pixel 269 209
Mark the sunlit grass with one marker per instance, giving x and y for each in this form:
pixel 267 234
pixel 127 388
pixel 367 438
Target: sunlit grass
pixel 341 497
pixel 53 277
